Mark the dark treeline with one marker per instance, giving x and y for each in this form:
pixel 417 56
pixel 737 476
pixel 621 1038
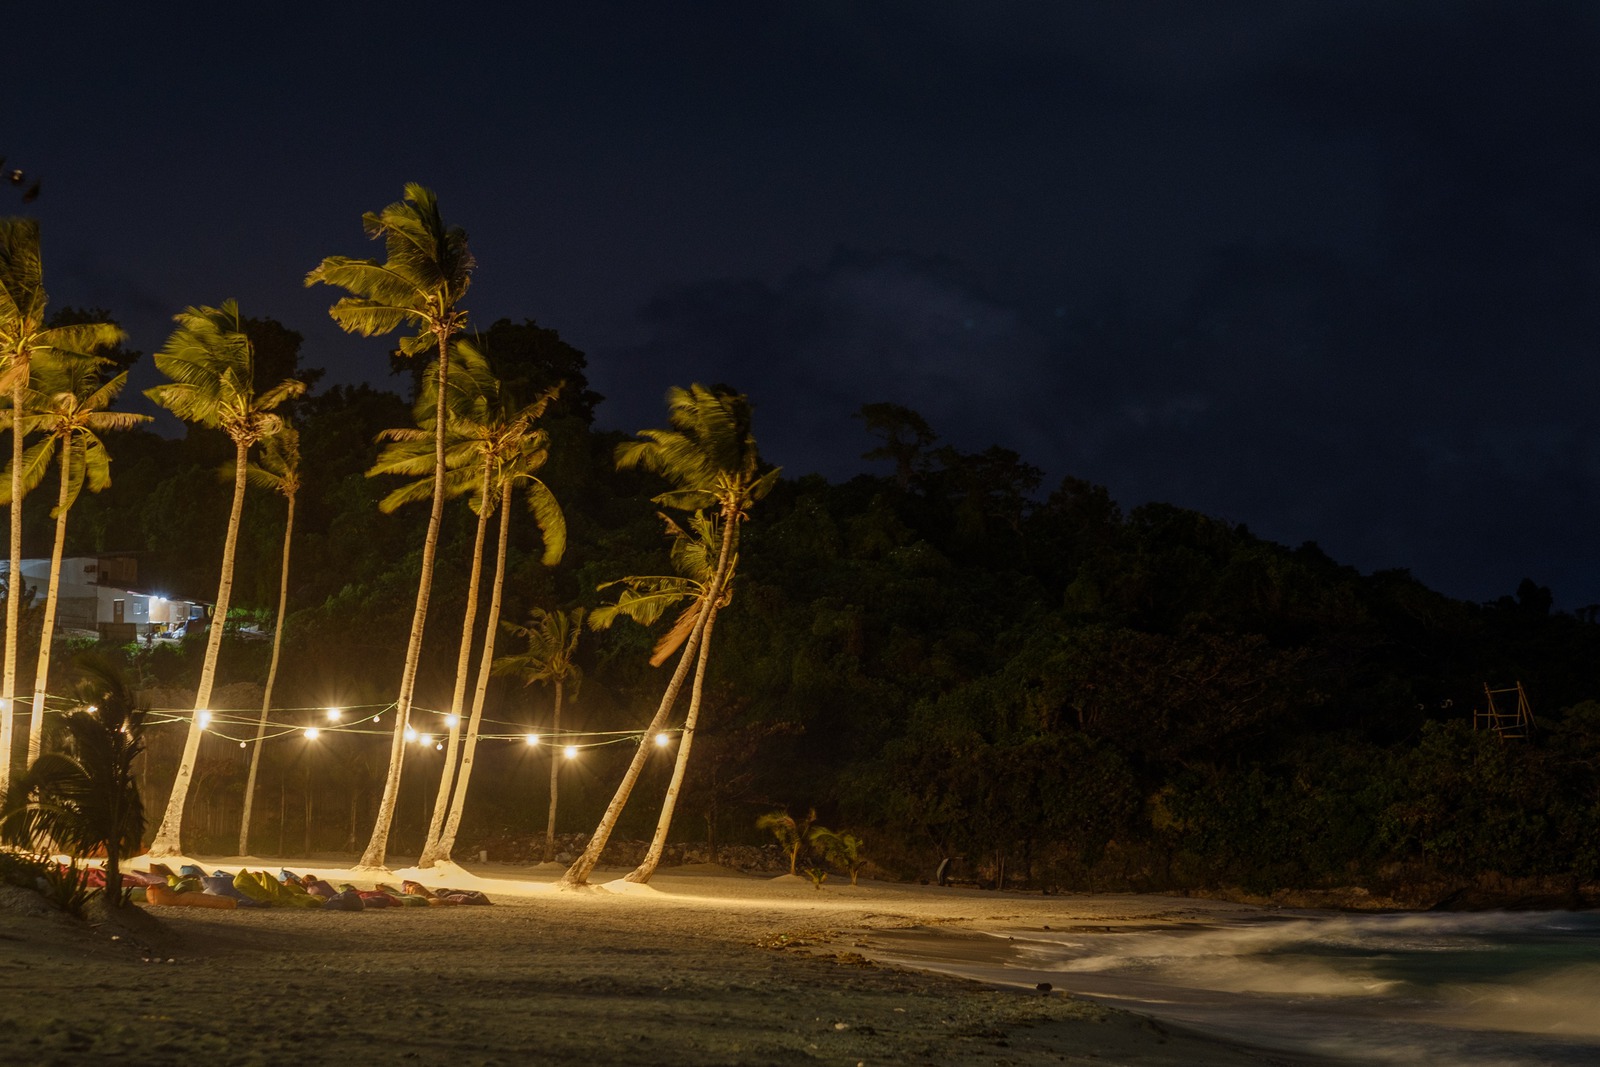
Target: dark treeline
pixel 950 659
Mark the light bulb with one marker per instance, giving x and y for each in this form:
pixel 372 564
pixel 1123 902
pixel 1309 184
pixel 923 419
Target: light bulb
pixel 532 739
pixel 411 735
pixel 571 752
pixel 335 714
pixel 662 740
pixel 452 720
pixel 205 719
pixel 312 733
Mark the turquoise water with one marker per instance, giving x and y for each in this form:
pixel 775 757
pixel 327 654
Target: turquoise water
pixel 1472 989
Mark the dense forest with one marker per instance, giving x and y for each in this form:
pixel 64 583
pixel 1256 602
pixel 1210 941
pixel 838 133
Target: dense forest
pixel 949 659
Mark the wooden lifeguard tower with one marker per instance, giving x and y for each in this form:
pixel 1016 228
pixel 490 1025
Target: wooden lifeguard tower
pixel 1507 723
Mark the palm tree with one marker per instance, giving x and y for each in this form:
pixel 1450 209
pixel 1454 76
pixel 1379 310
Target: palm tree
pixel 279 471
pixel 421 283
pixel 519 449
pixel 87 797
pixel 212 366
pixel 68 403
pixel 25 336
pixel 552 638
pixel 710 455
pixel 644 600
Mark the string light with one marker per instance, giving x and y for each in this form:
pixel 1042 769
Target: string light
pixel 452 720
pixel 312 733
pixel 439 747
pixel 532 739
pixel 205 719
pixel 335 714
pixel 411 734
pixel 571 752
pixel 662 740
pixel 426 739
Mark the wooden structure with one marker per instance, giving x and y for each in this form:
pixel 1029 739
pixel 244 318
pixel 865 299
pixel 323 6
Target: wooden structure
pixel 1501 718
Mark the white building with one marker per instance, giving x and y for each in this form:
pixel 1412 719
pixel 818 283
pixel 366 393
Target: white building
pixel 98 594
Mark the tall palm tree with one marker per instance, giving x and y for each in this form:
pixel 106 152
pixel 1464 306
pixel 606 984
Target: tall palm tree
pixel 25 336
pixel 86 797
pixel 68 403
pixel 552 638
pixel 421 284
pixel 710 456
pixel 519 449
pixel 211 364
pixel 278 470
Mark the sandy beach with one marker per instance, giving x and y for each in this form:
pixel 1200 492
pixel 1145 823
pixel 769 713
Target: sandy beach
pixel 703 966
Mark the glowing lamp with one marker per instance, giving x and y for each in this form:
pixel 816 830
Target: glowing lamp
pixel 312 733
pixel 335 714
pixel 205 719
pixel 426 739
pixel 452 720
pixel 571 752
pixel 662 740
pixel 411 735
pixel 532 739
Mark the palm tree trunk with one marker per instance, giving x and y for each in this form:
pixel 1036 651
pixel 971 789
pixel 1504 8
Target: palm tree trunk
pixel 458 803
pixel 14 582
pixel 578 873
pixel 378 847
pixel 658 843
pixel 555 774
pixel 441 803
pixel 41 674
pixel 272 677
pixel 168 839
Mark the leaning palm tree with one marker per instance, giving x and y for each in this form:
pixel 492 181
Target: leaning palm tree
pixel 694 557
pixel 552 638
pixel 278 470
pixel 421 283
pixel 519 449
pixel 87 797
pixel 24 337
pixel 211 364
pixel 68 403
pixel 710 456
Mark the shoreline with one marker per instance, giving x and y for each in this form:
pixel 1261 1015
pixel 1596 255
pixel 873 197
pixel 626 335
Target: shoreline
pixel 703 966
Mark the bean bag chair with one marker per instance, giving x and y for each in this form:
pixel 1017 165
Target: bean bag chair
pixel 137 894
pixel 349 900
pixel 165 897
pixel 295 895
pixel 221 885
pixel 286 875
pixel 189 870
pixel 374 899
pixel 161 869
pixel 319 888
pixel 184 885
pixel 464 896
pixel 142 878
pixel 248 884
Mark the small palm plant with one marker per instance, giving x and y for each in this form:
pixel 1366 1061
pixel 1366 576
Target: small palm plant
pixel 86 798
pixel 792 833
pixel 842 849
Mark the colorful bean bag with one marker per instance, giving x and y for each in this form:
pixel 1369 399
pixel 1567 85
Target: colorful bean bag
pixel 318 888
pixel 163 896
pixel 221 885
pixel 349 900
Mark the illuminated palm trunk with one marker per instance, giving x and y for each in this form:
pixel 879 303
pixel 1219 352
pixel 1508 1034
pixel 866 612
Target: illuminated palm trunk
pixel 441 804
pixel 41 674
pixel 555 774
pixel 458 803
pixel 658 843
pixel 168 840
pixel 14 582
pixel 578 873
pixel 378 847
pixel 272 677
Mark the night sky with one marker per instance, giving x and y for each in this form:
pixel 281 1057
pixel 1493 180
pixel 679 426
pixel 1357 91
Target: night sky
pixel 1327 269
